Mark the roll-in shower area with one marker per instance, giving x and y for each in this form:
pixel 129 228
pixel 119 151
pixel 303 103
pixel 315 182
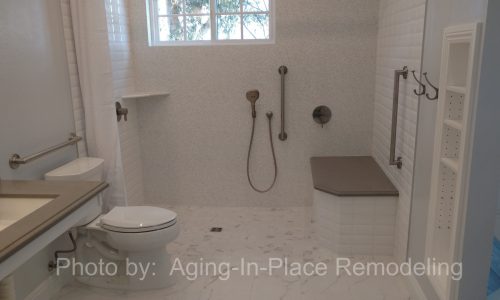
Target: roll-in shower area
pixel 249 149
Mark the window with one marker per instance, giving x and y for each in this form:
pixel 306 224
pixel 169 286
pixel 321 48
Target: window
pixel 197 22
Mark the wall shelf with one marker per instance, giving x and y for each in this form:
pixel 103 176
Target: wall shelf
pixel 456 89
pixel 453 124
pixel 450 163
pixel 145 95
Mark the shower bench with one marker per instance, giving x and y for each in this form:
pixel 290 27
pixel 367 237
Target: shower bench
pixel 354 205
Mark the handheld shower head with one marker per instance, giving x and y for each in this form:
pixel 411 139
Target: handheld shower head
pixel 253 96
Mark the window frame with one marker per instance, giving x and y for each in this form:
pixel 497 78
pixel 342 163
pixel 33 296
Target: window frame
pixel 154 37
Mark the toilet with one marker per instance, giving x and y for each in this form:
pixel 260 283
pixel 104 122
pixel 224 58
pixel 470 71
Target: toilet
pixel 124 248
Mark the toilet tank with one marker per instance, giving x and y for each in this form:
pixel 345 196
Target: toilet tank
pixel 81 169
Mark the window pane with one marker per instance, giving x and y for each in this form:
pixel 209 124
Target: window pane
pixel 256 5
pixel 228 6
pixel 255 26
pixel 198 6
pixel 198 28
pixel 162 7
pixel 171 28
pixel 174 7
pixel 228 27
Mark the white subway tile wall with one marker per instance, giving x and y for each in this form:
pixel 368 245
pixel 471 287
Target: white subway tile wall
pixel 400 41
pixel 355 225
pixel 124 83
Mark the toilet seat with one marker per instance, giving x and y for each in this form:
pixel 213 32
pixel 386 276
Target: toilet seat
pixel 137 219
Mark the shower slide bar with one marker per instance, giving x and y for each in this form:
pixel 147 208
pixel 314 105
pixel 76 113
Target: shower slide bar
pixel 283 70
pixel 393 161
pixel 16 160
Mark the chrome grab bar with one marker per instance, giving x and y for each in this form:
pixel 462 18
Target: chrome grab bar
pixel 283 70
pixel 16 160
pixel 393 161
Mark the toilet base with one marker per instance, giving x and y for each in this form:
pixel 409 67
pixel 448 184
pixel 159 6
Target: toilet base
pixel 112 269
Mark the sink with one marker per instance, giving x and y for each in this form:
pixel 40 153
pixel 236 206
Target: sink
pixel 34 213
pixel 14 208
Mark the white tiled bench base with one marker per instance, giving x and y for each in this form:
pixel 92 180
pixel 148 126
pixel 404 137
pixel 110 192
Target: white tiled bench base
pixel 355 225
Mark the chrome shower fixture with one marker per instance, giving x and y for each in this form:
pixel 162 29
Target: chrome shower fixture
pixel 253 96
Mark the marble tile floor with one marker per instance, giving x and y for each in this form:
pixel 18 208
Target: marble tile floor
pixel 255 234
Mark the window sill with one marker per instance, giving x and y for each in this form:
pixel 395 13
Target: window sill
pixel 213 43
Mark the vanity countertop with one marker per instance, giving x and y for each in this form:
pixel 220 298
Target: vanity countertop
pixel 68 197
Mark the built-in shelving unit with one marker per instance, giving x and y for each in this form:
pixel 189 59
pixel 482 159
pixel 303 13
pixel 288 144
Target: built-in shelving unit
pixel 145 95
pixel 451 143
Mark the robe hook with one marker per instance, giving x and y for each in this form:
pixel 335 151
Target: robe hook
pixel 433 86
pixel 422 87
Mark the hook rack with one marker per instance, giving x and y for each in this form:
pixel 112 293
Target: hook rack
pixel 434 87
pixel 422 87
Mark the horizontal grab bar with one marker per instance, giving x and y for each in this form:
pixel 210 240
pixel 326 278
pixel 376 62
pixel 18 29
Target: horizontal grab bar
pixel 16 160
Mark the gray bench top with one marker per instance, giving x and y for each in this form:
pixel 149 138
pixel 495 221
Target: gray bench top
pixel 351 176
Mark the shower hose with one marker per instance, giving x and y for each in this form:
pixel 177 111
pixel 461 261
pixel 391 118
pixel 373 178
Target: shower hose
pixel 269 118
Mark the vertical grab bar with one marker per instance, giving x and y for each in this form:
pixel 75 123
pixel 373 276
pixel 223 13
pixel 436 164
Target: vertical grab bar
pixel 283 70
pixel 393 161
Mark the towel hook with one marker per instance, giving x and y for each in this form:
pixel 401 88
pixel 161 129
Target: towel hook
pixel 434 87
pixel 421 88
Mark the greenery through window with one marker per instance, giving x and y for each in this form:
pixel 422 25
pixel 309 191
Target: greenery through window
pixel 209 21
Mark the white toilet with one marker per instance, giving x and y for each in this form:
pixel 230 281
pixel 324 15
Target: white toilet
pixel 131 239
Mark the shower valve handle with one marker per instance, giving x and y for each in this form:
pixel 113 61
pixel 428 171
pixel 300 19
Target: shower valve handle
pixel 121 112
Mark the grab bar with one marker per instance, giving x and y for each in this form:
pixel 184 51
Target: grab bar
pixel 16 160
pixel 283 70
pixel 393 161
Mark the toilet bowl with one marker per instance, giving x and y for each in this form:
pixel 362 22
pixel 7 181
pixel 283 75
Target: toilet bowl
pixel 124 248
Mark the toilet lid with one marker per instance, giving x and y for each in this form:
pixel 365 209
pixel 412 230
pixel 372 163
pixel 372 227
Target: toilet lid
pixel 134 217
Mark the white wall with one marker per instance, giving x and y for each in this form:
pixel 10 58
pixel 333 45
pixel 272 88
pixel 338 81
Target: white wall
pixel 400 40
pixel 35 103
pixel 194 143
